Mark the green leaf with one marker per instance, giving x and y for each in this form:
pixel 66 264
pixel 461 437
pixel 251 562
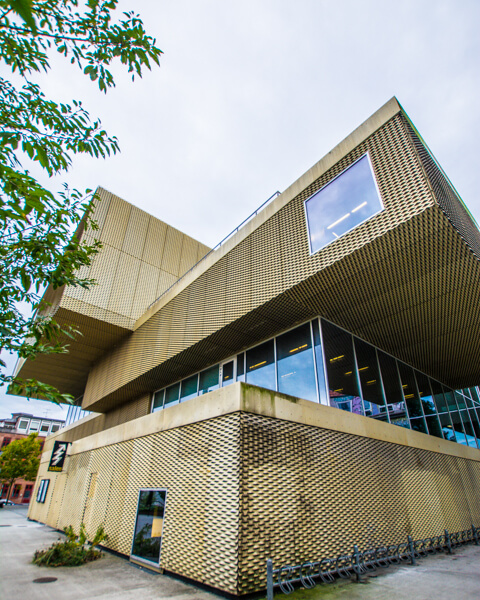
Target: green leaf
pixel 26 281
pixel 23 8
pixel 42 157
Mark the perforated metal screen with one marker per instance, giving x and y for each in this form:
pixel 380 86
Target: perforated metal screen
pixel 243 488
pixel 405 280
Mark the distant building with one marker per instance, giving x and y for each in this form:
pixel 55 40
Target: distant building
pixel 18 426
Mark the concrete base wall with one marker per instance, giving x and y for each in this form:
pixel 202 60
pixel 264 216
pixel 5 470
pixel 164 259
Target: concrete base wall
pixel 252 474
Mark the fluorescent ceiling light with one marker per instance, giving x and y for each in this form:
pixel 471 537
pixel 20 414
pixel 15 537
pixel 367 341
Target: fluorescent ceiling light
pixel 338 221
pixel 359 206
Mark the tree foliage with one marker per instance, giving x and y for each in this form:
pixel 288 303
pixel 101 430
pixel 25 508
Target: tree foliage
pixel 37 248
pixel 20 459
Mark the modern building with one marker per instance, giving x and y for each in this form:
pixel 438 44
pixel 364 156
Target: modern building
pixel 18 426
pixel 307 385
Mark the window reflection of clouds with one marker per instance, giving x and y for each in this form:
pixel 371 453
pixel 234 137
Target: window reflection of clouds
pixel 348 200
pixel 335 363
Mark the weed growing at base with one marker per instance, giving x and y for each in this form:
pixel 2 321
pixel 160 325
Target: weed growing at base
pixel 72 552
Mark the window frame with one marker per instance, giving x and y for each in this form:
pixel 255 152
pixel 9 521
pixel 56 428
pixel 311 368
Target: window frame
pixel 307 222
pixel 135 557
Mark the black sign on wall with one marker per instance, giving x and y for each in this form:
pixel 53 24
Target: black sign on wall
pixel 58 456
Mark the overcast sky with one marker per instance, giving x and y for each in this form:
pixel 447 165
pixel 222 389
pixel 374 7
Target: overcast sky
pixel 251 94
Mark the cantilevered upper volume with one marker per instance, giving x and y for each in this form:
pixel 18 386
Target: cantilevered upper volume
pixel 373 238
pixel 140 258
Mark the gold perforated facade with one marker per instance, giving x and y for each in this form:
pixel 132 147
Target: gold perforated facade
pixel 247 473
pixel 252 474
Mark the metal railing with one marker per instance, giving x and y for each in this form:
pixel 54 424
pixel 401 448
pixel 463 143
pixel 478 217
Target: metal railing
pixel 232 233
pixel 358 564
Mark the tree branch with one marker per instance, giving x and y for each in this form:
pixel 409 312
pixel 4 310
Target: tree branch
pixel 62 37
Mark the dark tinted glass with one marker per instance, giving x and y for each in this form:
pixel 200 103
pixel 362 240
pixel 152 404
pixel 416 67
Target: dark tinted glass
pixel 341 371
pixel 458 427
pixel 475 423
pixel 438 396
pixel 227 373
pixel 475 396
pixel 433 425
pixel 208 380
pixel 370 383
pixel 450 399
pixel 241 367
pixel 319 359
pixel 189 388
pixel 295 368
pixel 393 389
pixel 149 525
pixel 447 427
pixel 158 401
pixel 461 401
pixel 418 424
pixel 261 366
pixel 426 397
pixel 410 393
pixel 171 395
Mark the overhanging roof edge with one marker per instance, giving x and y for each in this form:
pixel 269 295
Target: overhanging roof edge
pixel 359 135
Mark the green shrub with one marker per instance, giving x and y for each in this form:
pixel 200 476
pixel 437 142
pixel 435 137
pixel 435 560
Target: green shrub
pixel 72 552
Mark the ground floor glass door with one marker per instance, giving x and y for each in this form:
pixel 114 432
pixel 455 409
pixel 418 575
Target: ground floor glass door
pixel 147 538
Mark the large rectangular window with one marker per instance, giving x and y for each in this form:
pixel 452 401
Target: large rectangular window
pixel 171 395
pixel 158 400
pixel 189 388
pixel 261 365
pixel 209 380
pixel 393 390
pixel 370 383
pixel 295 368
pixel 341 369
pixel 344 203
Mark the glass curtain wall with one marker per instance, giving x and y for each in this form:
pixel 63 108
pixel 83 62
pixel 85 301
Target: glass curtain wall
pixel 75 412
pixel 321 362
pixel 295 363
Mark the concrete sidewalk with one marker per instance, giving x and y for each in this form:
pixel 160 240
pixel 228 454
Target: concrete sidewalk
pixel 439 577
pixel 110 578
